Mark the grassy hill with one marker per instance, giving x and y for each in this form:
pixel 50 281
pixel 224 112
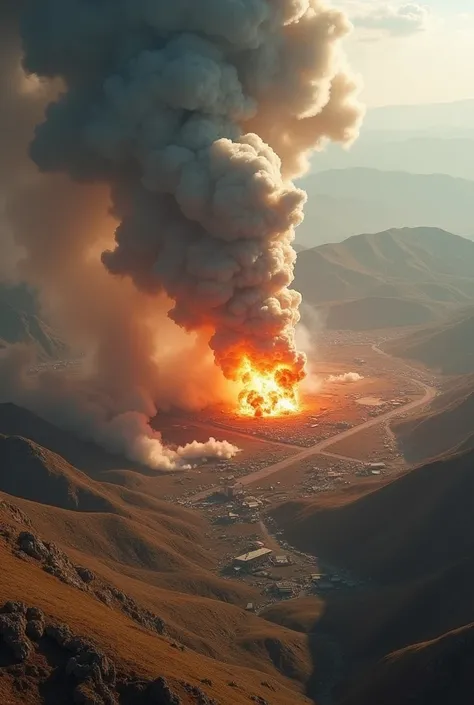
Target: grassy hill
pixel 139 656
pixel 438 671
pixel 437 528
pixel 445 427
pixel 113 564
pixel 448 347
pixel 393 278
pixel 86 456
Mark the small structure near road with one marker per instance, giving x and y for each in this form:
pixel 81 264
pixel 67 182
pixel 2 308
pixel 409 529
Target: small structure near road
pixel 232 491
pixel 285 588
pixel 250 560
pixel 281 560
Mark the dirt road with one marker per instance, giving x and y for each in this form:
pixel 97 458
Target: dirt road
pixel 264 473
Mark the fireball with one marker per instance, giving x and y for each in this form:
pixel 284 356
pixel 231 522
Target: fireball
pixel 268 391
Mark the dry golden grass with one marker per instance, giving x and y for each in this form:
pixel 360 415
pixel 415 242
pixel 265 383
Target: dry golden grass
pixel 133 648
pixel 156 553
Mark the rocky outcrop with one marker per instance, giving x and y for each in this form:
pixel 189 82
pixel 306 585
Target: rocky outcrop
pixel 55 562
pixel 160 693
pixel 19 626
pixel 89 675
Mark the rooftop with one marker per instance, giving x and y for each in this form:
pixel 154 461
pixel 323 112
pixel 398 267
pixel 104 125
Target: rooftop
pixel 253 555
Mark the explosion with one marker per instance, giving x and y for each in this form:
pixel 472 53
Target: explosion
pixel 268 392
pixel 193 116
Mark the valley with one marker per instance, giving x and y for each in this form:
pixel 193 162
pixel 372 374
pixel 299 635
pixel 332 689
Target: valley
pixel 300 570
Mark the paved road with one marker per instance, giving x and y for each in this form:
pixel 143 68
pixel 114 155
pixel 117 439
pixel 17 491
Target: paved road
pixel 264 473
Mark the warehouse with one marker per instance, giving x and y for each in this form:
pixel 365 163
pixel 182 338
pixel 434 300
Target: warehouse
pixel 253 558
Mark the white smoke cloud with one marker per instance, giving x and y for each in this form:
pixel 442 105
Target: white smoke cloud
pixel 191 118
pixel 346 378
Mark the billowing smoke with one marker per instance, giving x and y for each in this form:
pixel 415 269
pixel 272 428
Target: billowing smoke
pixel 191 116
pixel 346 378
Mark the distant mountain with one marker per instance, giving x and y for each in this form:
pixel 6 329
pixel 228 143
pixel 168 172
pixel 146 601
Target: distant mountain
pixel 450 153
pixel 448 347
pixel 345 202
pixel 421 139
pixel 398 277
pixel 20 323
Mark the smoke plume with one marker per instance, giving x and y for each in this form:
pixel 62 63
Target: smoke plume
pixel 184 122
pixel 347 378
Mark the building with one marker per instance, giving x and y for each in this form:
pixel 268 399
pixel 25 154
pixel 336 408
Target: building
pixel 231 491
pixel 253 558
pixel 285 588
pixel 281 560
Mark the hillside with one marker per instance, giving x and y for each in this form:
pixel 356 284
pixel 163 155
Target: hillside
pixel 397 277
pixel 448 348
pixel 20 323
pixel 30 471
pixel 144 573
pixel 367 626
pixel 130 657
pixel 437 672
pixel 410 541
pixel 378 312
pixel 347 201
pixel 437 527
pixel 86 456
pixel 445 427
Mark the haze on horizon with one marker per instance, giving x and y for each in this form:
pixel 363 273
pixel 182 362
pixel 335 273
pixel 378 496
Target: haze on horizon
pixel 412 53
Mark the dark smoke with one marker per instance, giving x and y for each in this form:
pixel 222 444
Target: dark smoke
pixel 192 115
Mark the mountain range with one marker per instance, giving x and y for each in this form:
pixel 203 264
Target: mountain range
pixel 419 139
pixel 350 201
pixel 390 279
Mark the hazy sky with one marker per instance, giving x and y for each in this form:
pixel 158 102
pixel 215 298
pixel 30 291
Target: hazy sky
pixel 409 52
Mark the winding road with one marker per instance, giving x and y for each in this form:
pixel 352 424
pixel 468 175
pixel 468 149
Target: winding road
pixel 319 448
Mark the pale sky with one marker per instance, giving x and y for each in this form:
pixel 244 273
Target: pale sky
pixel 412 52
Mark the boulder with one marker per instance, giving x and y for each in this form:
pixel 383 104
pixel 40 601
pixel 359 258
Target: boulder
pixel 32 546
pixel 161 694
pixel 35 629
pixel 12 632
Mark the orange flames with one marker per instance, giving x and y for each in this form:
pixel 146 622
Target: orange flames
pixel 272 391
